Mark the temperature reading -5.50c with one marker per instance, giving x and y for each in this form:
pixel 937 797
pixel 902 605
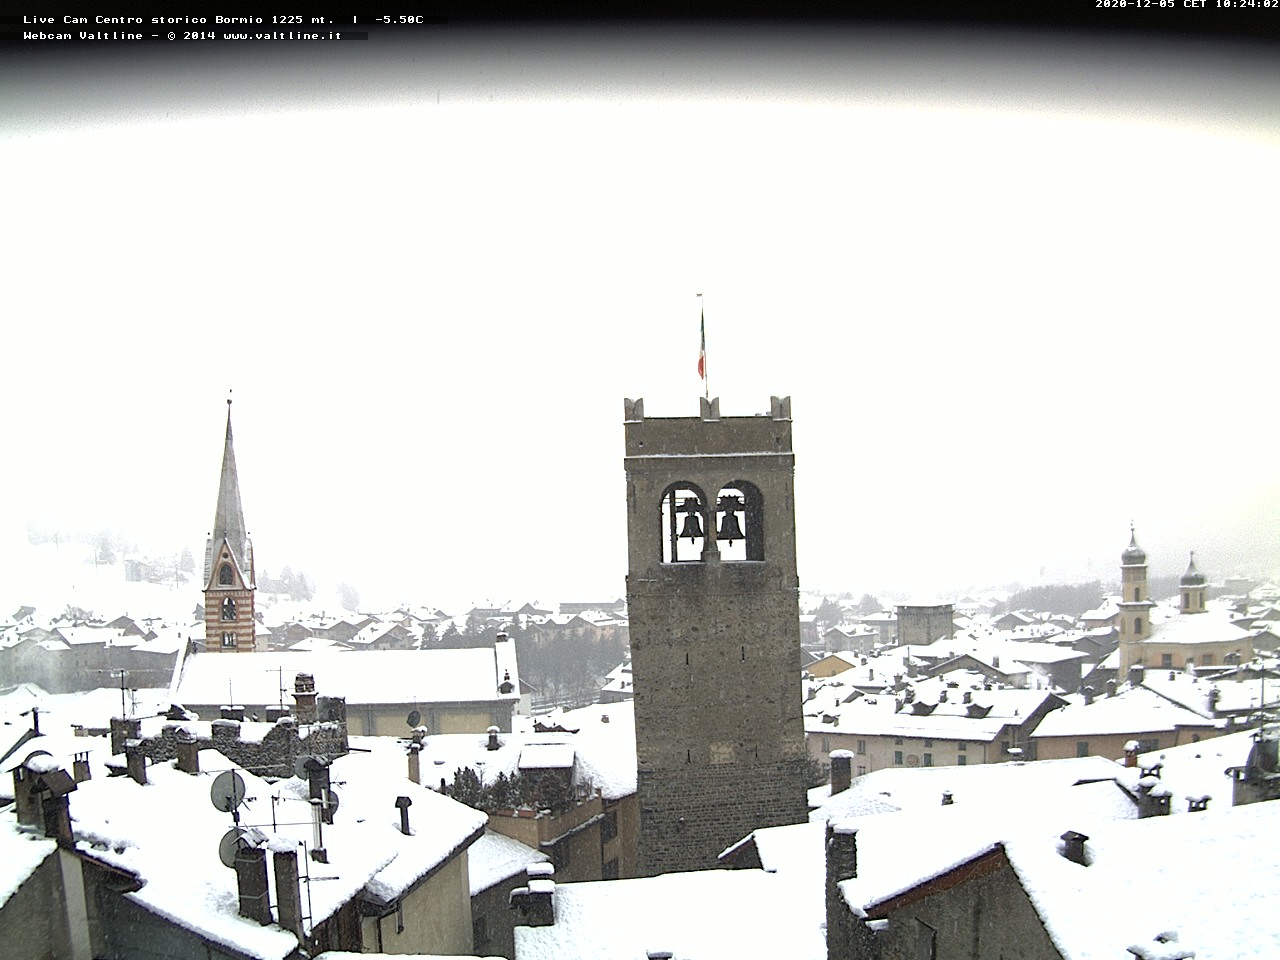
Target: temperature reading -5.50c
pixel 402 18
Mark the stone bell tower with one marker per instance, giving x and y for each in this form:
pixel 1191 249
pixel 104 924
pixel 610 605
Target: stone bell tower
pixel 713 603
pixel 229 583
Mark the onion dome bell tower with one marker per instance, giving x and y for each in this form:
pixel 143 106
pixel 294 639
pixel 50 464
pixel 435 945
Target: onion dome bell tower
pixel 1192 588
pixel 229 583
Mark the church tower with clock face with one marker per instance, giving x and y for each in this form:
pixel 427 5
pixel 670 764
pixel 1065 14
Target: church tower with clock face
pixel 713 605
pixel 229 583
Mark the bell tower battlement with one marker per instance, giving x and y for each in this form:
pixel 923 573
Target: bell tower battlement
pixel 713 602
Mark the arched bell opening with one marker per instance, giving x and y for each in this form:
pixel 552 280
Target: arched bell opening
pixel 228 609
pixel 740 522
pixel 683 523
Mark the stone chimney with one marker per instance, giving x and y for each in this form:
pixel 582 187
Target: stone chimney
pixel 1073 847
pixel 842 864
pixel 1197 803
pixel 968 697
pixel 415 762
pixel 1111 687
pixel 251 883
pixel 304 695
pixel 536 899
pixel 1137 673
pixel 948 798
pixel 231 713
pixel 841 771
pixel 1088 694
pixel 135 761
pixel 123 729
pixel 493 743
pixel 188 751
pixel 288 893
pixel 1154 798
pixel 403 804
pixel 80 767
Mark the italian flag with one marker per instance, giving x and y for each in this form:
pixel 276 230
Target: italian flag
pixel 702 352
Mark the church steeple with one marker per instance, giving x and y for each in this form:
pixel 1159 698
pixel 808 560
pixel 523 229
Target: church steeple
pixel 228 520
pixel 229 581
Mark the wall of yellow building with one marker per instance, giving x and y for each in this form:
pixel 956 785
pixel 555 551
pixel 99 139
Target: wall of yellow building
pixel 435 916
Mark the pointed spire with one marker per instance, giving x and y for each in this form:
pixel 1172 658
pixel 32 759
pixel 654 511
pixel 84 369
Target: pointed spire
pixel 228 522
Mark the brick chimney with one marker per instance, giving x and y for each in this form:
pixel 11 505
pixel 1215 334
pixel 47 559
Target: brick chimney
pixel 187 751
pixel 536 899
pixel 304 695
pixel 135 761
pixel 842 864
pixel 841 771
pixel 1131 753
pixel 251 883
pixel 288 894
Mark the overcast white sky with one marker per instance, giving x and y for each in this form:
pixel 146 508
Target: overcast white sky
pixel 1020 291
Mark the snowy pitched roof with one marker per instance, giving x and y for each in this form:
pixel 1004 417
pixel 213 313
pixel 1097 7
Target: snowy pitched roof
pixel 1133 710
pixel 986 786
pixel 383 676
pixel 21 852
pixel 760 915
pixel 134 827
pixel 495 858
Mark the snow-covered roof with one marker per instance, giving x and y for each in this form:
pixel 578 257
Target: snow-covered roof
pixel 759 914
pixel 1211 626
pixel 382 676
pixel 139 828
pixel 495 858
pixel 602 753
pixel 1133 710
pixel 21 852
pixel 990 786
pixel 1197 693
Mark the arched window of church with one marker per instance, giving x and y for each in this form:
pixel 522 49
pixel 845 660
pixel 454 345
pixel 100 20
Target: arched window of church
pixel 1137 624
pixel 682 523
pixel 228 609
pixel 740 522
pixel 225 577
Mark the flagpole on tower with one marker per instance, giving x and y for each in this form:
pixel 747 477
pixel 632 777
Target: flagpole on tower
pixel 702 352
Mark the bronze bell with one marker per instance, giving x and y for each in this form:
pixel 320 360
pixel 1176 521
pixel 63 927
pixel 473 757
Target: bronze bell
pixel 729 529
pixel 692 525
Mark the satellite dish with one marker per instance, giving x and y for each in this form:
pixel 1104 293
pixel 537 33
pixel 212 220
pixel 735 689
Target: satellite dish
pixel 415 718
pixel 333 801
pixel 227 791
pixel 228 846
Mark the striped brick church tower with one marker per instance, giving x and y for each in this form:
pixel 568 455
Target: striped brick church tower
pixel 229 584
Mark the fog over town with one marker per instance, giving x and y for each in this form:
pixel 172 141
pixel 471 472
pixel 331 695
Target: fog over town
pixel 1018 289
pixel 682 489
